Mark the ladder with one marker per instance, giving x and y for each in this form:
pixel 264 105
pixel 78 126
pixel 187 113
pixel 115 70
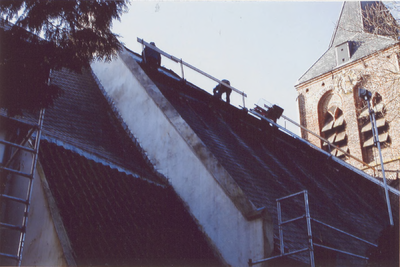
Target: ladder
pixel 16 185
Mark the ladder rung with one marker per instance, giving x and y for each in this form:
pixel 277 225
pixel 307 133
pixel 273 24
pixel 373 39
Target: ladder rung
pixel 9 256
pixel 20 200
pixel 12 227
pixel 17 172
pixel 32 124
pixel 19 146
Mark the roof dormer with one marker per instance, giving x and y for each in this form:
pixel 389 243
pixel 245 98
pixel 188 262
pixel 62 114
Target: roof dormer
pixel 343 53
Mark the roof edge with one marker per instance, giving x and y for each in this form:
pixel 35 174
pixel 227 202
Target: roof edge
pixel 337 26
pixel 58 222
pixel 222 177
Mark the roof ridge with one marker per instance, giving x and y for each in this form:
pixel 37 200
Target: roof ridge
pixel 337 26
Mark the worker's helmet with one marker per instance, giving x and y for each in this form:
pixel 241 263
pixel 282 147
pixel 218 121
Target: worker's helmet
pixel 226 81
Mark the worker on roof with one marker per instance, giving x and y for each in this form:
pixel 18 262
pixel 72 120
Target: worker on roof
pixel 151 57
pixel 220 89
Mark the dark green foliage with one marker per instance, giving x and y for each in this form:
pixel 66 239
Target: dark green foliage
pixel 387 252
pixel 75 33
pixel 25 65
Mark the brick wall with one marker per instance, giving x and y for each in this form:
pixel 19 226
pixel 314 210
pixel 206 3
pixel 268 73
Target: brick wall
pixel 377 73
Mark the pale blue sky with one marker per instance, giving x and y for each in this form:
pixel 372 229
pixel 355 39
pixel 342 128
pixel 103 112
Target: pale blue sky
pixel 262 47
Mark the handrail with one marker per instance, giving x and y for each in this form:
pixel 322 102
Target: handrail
pixel 330 144
pixel 177 60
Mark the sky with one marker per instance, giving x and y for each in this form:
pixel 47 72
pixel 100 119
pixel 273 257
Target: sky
pixel 261 47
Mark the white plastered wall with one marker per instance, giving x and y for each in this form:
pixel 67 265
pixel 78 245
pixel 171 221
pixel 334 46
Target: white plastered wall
pixel 178 153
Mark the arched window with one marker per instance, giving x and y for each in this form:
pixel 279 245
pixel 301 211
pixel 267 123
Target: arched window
pixel 333 124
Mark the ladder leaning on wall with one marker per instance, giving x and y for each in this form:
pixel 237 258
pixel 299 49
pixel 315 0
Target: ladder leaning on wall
pixel 16 183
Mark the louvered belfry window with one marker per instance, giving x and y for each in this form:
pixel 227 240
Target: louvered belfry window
pixel 366 127
pixel 334 130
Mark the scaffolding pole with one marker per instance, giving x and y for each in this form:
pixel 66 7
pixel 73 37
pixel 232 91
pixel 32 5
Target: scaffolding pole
pixel 311 244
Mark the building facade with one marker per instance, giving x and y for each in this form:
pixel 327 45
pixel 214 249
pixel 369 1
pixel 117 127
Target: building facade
pixel 358 57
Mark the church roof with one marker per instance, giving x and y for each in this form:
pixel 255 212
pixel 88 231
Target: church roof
pixel 351 27
pixel 116 208
pixel 84 120
pixel 268 164
pixel 115 218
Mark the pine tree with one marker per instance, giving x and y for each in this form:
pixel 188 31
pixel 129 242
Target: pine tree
pixel 50 35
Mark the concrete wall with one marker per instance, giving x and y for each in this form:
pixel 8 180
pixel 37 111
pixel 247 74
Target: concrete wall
pixel 212 196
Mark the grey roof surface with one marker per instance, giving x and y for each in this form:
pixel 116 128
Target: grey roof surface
pixel 268 164
pixel 114 218
pixel 100 176
pixel 349 28
pixel 83 119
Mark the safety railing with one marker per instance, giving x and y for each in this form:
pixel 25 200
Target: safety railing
pixel 311 244
pixel 259 114
pixel 183 63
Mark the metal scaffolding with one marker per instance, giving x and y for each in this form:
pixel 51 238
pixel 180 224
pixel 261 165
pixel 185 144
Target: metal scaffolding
pixel 311 244
pixel 17 186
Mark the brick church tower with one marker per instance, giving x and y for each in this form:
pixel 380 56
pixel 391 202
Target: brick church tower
pixel 362 54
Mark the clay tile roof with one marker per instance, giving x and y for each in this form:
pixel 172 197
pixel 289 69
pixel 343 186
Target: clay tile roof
pixel 113 218
pixel 269 164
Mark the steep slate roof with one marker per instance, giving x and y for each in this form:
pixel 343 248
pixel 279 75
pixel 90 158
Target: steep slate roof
pixel 268 164
pixel 350 27
pixel 116 208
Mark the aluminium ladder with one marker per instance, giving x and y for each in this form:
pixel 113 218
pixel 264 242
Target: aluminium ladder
pixel 16 189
